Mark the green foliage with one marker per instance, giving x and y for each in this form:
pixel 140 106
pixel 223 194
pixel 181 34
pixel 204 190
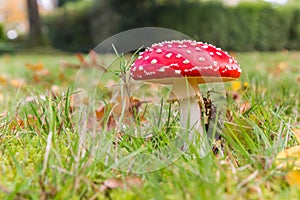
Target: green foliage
pixel 272 32
pixel 295 30
pixel 43 157
pixel 242 28
pixel 63 2
pixel 2 34
pixel 245 27
pixel 68 28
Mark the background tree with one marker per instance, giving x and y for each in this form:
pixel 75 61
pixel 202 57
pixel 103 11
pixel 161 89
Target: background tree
pixel 35 31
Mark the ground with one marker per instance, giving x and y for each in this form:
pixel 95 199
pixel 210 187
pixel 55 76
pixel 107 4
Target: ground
pixel 41 155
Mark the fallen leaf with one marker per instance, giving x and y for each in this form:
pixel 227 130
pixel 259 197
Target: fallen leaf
pixel 16 123
pixel 118 183
pixel 80 57
pixel 17 83
pixel 298 79
pixel 65 64
pixel 113 183
pixel 293 177
pixel 100 112
pixel 3 80
pixel 281 67
pixel 38 75
pixel 42 72
pixel 35 67
pixel 86 62
pixel 244 107
pixel 128 107
pixel 296 132
pixel 289 157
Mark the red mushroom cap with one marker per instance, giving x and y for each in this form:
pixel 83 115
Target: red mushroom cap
pixel 164 61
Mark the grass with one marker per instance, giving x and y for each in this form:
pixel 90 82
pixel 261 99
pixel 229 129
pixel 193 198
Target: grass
pixel 41 154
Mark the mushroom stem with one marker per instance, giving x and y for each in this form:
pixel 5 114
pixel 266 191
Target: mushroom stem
pixel 190 101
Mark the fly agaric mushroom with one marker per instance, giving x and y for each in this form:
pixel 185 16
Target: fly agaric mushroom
pixel 185 64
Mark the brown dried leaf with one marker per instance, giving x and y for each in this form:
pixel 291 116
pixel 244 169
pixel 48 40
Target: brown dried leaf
pixel 17 83
pixel 118 105
pixel 80 57
pixel 16 123
pixel 35 67
pixel 38 75
pixel 100 112
pixel 281 67
pixel 65 64
pixel 42 72
pixel 118 183
pixel 244 107
pixel 3 80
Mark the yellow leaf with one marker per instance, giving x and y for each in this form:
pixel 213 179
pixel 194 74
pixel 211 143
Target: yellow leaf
pixel 289 157
pixel 297 134
pixel 293 177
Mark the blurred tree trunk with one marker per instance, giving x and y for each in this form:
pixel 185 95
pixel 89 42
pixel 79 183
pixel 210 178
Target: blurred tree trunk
pixel 35 25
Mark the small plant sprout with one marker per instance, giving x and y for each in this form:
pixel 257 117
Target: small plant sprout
pixel 184 64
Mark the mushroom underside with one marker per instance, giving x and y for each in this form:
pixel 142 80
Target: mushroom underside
pixel 198 80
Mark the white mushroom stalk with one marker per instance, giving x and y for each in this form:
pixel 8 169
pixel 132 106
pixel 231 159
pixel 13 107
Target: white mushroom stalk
pixel 187 93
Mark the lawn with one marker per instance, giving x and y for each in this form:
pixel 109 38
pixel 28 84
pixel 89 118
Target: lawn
pixel 41 154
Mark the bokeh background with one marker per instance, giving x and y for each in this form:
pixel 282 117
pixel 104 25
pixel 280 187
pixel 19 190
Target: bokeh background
pixel 79 25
